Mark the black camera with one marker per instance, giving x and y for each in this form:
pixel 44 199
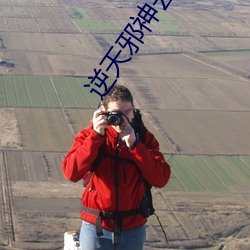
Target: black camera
pixel 114 118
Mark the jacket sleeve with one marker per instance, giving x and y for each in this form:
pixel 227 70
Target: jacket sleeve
pixel 83 152
pixel 151 161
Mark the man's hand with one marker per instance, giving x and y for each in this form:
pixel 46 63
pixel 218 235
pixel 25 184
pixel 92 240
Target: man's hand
pixel 100 123
pixel 127 133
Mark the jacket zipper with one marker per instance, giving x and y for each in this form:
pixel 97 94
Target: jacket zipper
pixel 116 163
pixel 116 166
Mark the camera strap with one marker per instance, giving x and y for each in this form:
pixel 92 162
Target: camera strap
pixel 95 164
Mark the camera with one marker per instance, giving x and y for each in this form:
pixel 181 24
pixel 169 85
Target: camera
pixel 114 118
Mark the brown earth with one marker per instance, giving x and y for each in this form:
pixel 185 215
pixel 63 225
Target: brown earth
pixel 10 135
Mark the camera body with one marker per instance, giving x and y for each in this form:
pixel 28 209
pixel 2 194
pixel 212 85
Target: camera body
pixel 114 118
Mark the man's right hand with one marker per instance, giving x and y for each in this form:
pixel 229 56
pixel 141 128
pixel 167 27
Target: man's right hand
pixel 100 122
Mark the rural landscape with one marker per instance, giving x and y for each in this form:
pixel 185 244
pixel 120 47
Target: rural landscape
pixel 190 77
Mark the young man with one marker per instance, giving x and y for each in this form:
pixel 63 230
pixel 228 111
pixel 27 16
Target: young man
pixel 113 197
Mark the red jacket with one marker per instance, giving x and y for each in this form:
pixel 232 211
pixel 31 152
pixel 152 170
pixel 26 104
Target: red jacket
pixel 101 192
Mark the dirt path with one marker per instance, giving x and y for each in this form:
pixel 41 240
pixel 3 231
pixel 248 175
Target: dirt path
pixel 9 132
pixel 7 227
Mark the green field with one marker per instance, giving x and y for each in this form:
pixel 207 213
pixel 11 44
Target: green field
pixel 226 52
pixel 79 13
pixel 97 25
pixel 87 23
pixel 45 91
pixel 167 23
pixel 208 173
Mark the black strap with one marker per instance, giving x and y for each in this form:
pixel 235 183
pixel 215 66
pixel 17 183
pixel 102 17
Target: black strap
pixel 98 227
pixel 110 215
pixel 95 164
pixel 150 198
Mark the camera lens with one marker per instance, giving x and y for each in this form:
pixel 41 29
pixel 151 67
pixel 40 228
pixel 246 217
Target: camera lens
pixel 114 119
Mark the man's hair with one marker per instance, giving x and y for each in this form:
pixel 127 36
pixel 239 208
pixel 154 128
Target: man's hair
pixel 118 93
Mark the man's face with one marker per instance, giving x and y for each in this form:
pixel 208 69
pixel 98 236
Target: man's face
pixel 124 107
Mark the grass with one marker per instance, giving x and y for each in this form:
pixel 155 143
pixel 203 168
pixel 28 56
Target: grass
pixel 167 23
pixel 221 171
pixel 10 91
pixel 45 91
pixel 49 92
pixel 63 91
pixel 204 174
pixel 208 173
pixel 3 97
pixel 226 52
pixel 87 23
pixel 36 94
pixel 79 13
pixel 238 168
pixel 183 173
pixel 22 94
pixel 96 25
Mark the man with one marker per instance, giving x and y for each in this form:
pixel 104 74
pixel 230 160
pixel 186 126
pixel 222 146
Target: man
pixel 113 197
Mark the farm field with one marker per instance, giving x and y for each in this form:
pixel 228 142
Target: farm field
pixel 216 132
pixel 37 195
pixel 39 38
pixel 236 59
pixel 190 78
pixel 197 86
pixel 46 91
pixel 52 54
pixel 209 173
pixel 167 23
pixel 37 135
